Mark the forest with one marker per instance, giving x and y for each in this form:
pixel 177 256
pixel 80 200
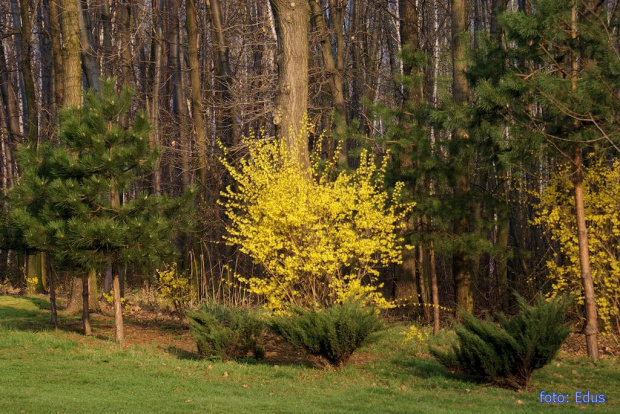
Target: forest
pixel 239 167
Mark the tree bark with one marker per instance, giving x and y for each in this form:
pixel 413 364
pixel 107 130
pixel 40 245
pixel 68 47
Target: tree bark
pixel 71 67
pixel 157 56
pixel 89 54
pixel 56 54
pixel 27 74
pixel 178 93
pixel 196 90
pixel 334 67
pixel 85 310
pixel 10 99
pixel 119 333
pixel 591 324
pixel 460 263
pixel 291 21
pixel 434 286
pixel 52 289
pixel 227 124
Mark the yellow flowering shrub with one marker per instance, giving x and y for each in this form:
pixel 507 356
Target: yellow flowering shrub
pixel 556 215
pixel 320 235
pixel 174 287
pixel 415 334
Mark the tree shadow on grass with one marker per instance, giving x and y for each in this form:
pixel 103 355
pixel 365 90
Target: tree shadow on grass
pixel 16 313
pixel 181 353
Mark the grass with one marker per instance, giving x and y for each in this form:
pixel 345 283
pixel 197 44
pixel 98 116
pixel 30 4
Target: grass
pixel 55 371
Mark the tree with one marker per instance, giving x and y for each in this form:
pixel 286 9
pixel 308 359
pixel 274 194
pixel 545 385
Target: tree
pixel 67 202
pixel 557 88
pixel 460 264
pixel 292 20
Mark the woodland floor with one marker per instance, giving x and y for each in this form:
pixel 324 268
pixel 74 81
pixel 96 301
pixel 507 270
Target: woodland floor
pixel 161 372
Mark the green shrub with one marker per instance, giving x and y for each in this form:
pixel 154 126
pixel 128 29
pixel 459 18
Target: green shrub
pixel 508 353
pixel 226 332
pixel 333 333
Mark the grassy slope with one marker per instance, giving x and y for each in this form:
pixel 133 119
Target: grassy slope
pixel 58 372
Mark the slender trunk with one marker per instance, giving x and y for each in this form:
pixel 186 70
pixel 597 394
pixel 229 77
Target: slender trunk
pixel 108 278
pixel 119 334
pixel 71 68
pixel 179 102
pixel 434 286
pixel 52 288
pixel 154 136
pixel 227 122
pixel 591 323
pixel 126 49
pixel 502 258
pixel 56 54
pixel 85 310
pixel 333 67
pixel 27 75
pixel 106 33
pixel 460 263
pixel 196 93
pixel 10 100
pixel 89 54
pixel 422 281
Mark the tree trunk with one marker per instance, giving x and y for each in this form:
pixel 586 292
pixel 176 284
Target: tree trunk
pixel 56 54
pixel 27 74
pixel 9 99
pixel 591 323
pixel 422 282
pixel 434 286
pixel 85 310
pixel 157 55
pixel 52 288
pixel 460 264
pixel 333 67
pixel 409 28
pixel 227 124
pixel 196 90
pixel 179 102
pixel 89 54
pixel 291 20
pixel 71 68
pixel 75 298
pixel 119 333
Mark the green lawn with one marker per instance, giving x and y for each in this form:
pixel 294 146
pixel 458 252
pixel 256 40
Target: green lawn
pixel 54 371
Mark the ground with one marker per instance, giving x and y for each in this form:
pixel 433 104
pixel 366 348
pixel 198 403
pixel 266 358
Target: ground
pixel 43 370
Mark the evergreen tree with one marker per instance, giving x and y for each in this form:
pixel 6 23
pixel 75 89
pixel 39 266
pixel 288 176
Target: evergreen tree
pixel 68 201
pixel 557 87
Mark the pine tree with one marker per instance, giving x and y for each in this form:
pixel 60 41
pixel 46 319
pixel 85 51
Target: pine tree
pixel 68 201
pixel 557 87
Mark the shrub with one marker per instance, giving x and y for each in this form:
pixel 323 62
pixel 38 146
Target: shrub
pixel 225 332
pixel 321 235
pixel 556 216
pixel 508 353
pixel 333 333
pixel 174 287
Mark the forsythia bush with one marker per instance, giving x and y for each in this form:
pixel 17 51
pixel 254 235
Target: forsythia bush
pixel 557 217
pixel 174 287
pixel 320 235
